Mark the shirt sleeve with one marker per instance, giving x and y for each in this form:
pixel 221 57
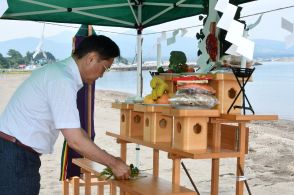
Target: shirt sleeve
pixel 62 97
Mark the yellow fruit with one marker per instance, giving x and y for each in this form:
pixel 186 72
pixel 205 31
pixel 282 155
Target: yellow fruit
pixel 156 81
pixel 161 89
pixel 153 82
pixel 148 99
pixel 153 94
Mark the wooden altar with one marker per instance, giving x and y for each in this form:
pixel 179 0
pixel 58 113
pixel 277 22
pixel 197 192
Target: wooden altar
pixel 218 138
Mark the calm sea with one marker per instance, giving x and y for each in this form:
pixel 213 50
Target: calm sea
pixel 271 92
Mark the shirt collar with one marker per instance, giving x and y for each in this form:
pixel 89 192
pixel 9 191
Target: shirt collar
pixel 74 71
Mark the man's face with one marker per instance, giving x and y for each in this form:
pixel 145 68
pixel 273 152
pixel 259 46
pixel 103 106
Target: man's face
pixel 94 67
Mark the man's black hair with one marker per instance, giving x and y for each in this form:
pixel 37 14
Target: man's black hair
pixel 103 45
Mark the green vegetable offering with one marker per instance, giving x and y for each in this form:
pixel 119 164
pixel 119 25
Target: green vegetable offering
pixel 107 173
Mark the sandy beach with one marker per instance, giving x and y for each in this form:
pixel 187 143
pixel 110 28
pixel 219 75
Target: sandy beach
pixel 269 164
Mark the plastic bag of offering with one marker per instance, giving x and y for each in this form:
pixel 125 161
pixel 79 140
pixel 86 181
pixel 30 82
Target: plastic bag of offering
pixel 196 88
pixel 194 100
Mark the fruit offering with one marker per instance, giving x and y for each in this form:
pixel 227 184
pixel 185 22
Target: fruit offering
pixel 159 92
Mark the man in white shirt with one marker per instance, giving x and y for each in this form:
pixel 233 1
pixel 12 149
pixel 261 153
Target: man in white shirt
pixel 46 104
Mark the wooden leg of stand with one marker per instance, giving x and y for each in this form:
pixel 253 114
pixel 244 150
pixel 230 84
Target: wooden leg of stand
pixel 122 193
pixel 214 176
pixel 76 185
pixel 241 159
pixel 100 190
pixel 65 187
pixel 123 151
pixel 216 145
pixel 176 171
pixel 87 183
pixel 123 156
pixel 155 162
pixel 112 189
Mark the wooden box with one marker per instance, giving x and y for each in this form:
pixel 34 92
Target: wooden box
pixel 190 133
pixel 136 125
pixel 125 116
pixel 227 88
pixel 190 128
pixel 131 122
pixel 157 127
pixel 229 137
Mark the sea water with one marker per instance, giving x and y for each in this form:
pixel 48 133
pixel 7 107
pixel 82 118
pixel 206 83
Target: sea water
pixel 271 92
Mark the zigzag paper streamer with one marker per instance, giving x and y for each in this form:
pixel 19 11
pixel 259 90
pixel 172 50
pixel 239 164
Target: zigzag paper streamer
pixel 227 17
pixel 3 6
pixel 204 57
pixel 289 41
pixel 287 25
pixel 39 48
pixel 183 32
pixel 235 30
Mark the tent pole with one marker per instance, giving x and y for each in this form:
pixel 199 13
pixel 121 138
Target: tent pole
pixel 158 54
pixel 139 63
pixel 89 106
pixel 139 68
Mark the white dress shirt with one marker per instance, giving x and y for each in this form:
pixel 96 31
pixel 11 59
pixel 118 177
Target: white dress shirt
pixel 44 104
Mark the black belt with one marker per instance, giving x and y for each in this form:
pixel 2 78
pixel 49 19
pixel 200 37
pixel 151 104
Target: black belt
pixel 17 142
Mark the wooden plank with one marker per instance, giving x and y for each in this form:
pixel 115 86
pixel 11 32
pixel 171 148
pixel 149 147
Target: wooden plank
pixel 87 182
pixel 223 76
pixel 76 185
pixel 239 117
pixel 87 165
pixel 151 185
pixel 192 112
pixel 155 162
pixel 149 108
pixel 216 146
pixel 194 154
pixel 100 190
pixel 121 105
pixel 123 151
pixel 65 187
pixel 176 170
pixel 241 159
pixel 112 189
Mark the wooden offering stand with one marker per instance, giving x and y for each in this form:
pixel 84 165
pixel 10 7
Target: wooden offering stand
pixel 224 141
pixel 182 133
pixel 216 140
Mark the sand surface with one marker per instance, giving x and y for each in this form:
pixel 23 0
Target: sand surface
pixel 269 164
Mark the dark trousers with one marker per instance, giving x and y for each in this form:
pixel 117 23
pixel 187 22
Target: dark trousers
pixel 19 170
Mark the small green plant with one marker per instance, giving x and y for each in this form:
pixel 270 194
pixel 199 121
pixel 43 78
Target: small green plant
pixel 107 172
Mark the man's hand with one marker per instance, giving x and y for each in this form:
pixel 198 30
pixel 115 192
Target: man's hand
pixel 120 169
pixel 78 140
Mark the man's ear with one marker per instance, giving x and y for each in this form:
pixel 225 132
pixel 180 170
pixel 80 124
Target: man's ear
pixel 91 57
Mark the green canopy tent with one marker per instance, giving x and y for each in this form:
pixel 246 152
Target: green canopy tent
pixel 136 14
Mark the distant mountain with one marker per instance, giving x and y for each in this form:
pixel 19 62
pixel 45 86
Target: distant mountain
pixel 60 46
pixel 59 50
pixel 269 48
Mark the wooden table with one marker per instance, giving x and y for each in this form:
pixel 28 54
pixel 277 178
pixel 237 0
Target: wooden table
pixel 215 152
pixel 140 186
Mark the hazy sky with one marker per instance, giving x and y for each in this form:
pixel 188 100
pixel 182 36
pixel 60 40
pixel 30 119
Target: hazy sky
pixel 269 28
